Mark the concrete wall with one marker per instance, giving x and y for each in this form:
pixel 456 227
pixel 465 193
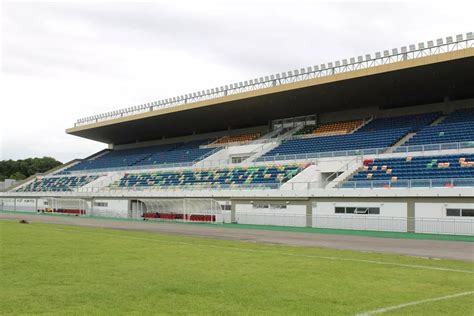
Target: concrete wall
pixel 392 217
pixel 114 208
pixel 432 218
pixel 293 215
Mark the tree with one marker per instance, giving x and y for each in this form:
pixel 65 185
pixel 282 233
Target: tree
pixel 21 169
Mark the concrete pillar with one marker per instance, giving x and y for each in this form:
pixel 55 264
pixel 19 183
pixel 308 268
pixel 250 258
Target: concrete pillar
pixel 232 212
pixel 410 216
pixel 309 213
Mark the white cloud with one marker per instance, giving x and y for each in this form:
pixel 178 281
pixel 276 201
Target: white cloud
pixel 63 61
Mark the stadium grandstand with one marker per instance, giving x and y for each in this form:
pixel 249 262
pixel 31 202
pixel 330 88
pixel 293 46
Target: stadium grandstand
pixel 381 141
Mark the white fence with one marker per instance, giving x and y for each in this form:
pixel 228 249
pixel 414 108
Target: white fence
pixel 361 222
pixel 449 226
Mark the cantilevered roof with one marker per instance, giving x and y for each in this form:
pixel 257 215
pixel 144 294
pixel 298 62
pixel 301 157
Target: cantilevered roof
pixel 423 80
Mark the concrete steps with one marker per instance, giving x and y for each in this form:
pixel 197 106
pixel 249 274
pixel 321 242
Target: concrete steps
pixel 402 141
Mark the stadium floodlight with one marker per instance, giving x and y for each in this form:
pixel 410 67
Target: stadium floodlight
pixel 360 59
pixel 386 53
pixel 267 78
pixel 330 65
pixel 277 76
pixel 459 38
pixel 469 36
pixel 344 62
pixel 302 71
pixel 412 47
pixel 394 51
pixel 449 40
pixel 272 77
pixel 296 72
pixel 261 79
pixel 241 84
pixel 212 90
pixel 404 49
pixel 421 45
pixel 368 57
pixel 439 41
pixel 309 69
pixel 352 60
pixel 290 73
pixel 378 55
pixel 208 91
pixel 283 75
pixel 316 68
pixel 246 83
pixel 251 81
pixel 430 44
pixel 323 66
pixel 338 63
pixel 226 87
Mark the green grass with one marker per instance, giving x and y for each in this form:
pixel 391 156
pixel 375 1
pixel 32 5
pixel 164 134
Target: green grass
pixel 57 269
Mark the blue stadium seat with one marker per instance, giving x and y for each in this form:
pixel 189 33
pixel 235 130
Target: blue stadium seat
pixel 456 127
pixel 378 133
pixel 57 184
pixel 145 156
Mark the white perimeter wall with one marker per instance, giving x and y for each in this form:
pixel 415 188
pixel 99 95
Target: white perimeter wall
pixel 114 208
pixel 431 218
pixel 392 217
pixel 293 215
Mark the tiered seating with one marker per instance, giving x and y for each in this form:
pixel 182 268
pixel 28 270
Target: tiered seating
pixel 457 127
pixel 355 141
pixel 379 133
pixel 261 176
pixel 143 156
pixel 337 128
pixel 237 138
pixel 439 169
pixel 57 184
pixel 414 122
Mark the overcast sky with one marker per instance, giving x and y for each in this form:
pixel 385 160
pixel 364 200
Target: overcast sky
pixel 61 61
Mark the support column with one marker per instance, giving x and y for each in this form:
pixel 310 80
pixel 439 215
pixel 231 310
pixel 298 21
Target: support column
pixel 410 216
pixel 232 212
pixel 309 213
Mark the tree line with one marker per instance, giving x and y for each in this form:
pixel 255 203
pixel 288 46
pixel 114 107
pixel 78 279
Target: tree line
pixel 22 169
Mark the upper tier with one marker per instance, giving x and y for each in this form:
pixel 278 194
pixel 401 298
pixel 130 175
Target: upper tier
pixel 147 156
pixel 456 127
pixel 378 133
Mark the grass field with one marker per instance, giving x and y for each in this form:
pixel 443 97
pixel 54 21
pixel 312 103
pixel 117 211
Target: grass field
pixel 70 270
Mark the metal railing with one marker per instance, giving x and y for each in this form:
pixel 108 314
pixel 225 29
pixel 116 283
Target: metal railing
pixel 403 184
pixel 369 151
pixel 282 186
pixel 372 222
pixel 411 52
pixel 368 222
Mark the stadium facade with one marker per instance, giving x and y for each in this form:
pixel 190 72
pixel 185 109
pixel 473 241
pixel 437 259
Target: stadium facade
pixel 383 141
